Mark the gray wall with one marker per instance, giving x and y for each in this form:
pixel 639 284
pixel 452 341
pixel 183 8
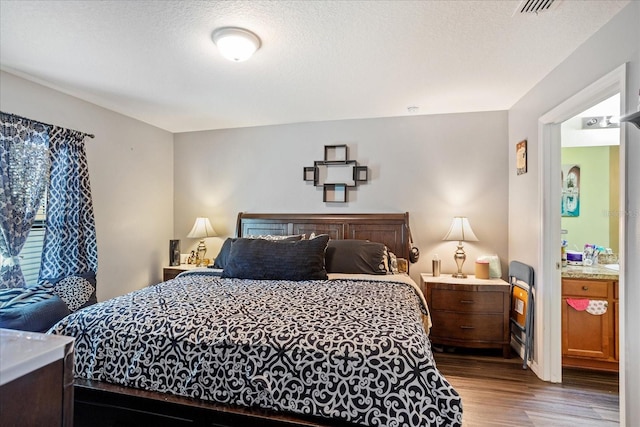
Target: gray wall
pixel 434 167
pixel 131 172
pixel 616 43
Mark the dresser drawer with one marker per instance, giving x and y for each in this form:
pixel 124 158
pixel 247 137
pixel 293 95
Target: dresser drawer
pixel 467 301
pixel 467 327
pixel 585 288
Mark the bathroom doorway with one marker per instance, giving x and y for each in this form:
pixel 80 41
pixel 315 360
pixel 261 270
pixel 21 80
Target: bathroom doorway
pixel 590 207
pixel 550 307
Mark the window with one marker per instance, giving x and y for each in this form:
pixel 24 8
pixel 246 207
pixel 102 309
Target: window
pixel 31 253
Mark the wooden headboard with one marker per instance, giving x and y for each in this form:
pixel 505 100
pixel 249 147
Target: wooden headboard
pixel 392 229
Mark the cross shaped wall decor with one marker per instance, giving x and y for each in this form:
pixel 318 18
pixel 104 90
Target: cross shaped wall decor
pixel 336 173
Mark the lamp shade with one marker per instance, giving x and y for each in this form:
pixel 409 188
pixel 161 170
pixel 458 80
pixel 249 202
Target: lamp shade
pixel 202 228
pixel 460 230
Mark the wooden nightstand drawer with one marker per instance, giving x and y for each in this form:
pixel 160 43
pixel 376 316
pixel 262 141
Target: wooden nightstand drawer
pixel 474 327
pixel 467 301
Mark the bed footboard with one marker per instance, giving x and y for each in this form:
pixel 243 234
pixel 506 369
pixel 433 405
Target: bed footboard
pixel 99 404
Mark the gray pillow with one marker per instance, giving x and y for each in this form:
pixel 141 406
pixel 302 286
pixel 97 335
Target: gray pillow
pixel 277 260
pixel 356 257
pixel 223 255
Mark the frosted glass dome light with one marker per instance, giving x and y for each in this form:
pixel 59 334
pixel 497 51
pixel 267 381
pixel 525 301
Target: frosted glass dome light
pixel 236 44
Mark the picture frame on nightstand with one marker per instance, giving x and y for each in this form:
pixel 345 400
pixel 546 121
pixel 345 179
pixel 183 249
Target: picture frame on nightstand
pixel 174 253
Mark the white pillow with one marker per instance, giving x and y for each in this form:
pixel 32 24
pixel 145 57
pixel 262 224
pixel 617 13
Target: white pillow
pixel 74 291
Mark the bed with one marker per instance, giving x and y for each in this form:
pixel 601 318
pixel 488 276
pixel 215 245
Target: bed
pixel 306 324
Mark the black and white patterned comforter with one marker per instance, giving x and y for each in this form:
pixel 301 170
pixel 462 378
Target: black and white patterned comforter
pixel 347 349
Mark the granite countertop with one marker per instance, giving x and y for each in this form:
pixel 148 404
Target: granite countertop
pixel 23 352
pixel 593 272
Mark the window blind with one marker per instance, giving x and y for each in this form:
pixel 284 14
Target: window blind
pixel 31 253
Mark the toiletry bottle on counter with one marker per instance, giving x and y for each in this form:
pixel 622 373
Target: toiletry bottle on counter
pixel 435 266
pixel 588 254
pixel 563 253
pixel 596 252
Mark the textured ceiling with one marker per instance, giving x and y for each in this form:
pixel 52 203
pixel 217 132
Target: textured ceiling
pixel 319 60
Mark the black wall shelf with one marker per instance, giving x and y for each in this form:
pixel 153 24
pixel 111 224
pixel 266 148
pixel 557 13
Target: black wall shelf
pixel 336 173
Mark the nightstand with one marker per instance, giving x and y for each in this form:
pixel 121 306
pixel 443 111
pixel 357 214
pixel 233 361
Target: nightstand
pixel 468 312
pixel 169 273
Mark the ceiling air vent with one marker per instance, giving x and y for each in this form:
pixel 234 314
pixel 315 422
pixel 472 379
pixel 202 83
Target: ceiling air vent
pixel 536 6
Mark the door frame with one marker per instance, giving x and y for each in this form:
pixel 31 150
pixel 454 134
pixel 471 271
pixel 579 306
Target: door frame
pixel 550 194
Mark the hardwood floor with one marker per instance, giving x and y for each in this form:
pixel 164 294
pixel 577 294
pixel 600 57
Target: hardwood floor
pixel 498 392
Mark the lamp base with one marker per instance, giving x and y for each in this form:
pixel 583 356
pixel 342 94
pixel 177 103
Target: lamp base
pixel 459 257
pixel 202 250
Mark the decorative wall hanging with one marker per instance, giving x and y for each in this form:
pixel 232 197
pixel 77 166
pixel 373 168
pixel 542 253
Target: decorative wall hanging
pixel 336 173
pixel 521 157
pixel 570 190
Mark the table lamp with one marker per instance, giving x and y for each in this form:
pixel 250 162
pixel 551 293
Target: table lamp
pixel 461 231
pixel 201 228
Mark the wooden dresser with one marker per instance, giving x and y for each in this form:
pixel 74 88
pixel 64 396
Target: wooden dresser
pixel 468 312
pixel 36 379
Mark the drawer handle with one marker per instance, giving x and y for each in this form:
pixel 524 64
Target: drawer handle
pixel 585 288
pixel 466 301
pixel 466 327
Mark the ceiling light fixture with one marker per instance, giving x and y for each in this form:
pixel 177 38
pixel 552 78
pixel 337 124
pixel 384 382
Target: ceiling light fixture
pixel 236 44
pixel 600 122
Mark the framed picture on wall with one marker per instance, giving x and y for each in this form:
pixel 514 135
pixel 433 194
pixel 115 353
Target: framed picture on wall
pixel 570 190
pixel 521 157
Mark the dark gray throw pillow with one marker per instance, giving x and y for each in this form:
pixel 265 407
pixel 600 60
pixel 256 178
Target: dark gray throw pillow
pixel 356 257
pixel 223 255
pixel 277 260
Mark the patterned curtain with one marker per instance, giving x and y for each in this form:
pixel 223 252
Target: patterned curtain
pixel 24 173
pixel 69 255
